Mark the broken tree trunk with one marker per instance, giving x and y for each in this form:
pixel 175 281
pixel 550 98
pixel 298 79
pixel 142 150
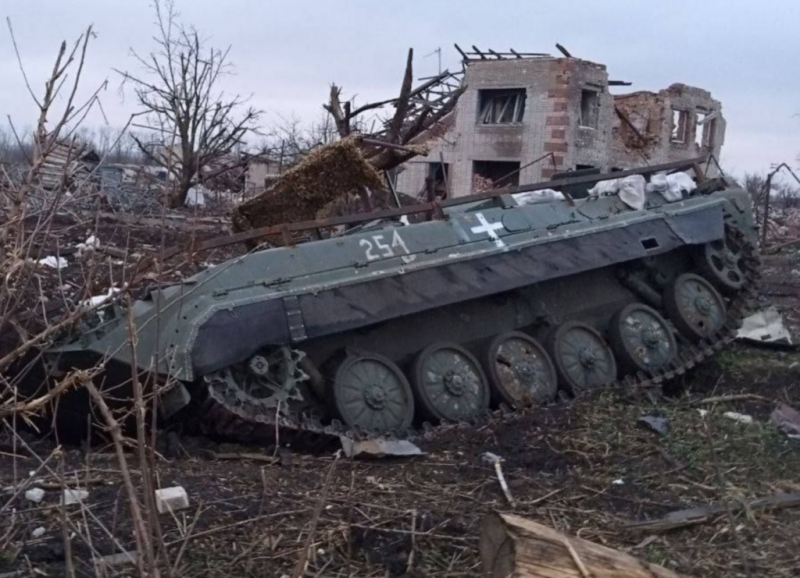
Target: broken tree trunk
pixel 514 546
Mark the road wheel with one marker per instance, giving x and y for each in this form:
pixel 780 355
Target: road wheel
pixel 694 307
pixel 519 370
pixel 448 383
pixel 371 393
pixel 641 339
pixel 582 358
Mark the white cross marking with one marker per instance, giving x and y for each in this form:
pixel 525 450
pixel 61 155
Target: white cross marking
pixel 489 229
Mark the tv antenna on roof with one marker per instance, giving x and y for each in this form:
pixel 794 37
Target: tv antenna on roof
pixel 438 52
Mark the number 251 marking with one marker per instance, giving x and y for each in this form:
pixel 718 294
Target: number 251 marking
pixel 385 250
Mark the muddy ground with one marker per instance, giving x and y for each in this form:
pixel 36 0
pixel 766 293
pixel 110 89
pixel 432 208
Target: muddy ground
pixel 585 467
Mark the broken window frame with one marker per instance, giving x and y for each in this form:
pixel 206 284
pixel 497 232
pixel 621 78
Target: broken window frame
pixel 680 126
pixel 705 127
pixel 440 174
pixel 592 107
pixel 497 104
pixel 498 173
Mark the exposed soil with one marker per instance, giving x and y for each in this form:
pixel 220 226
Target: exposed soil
pixel 584 467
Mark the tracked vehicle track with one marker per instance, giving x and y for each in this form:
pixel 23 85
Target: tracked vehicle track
pixel 228 412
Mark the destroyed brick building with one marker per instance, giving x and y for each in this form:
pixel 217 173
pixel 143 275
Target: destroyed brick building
pixel 525 117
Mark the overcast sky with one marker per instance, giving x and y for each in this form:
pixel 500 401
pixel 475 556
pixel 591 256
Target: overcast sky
pixel 287 52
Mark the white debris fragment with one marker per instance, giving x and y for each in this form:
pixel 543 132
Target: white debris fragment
pixel 533 197
pixel 379 448
pixel 89 244
pixel 38 532
pixel 171 499
pixel 404 220
pixel 740 417
pixel 498 468
pixel 196 197
pixel 54 262
pixel 702 412
pixel 766 326
pixel 619 482
pixel 74 497
pixel 98 299
pixel 34 495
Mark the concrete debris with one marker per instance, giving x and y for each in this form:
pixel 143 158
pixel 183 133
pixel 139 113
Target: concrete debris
pixel 90 244
pixel 38 532
pixel 34 495
pixel 767 326
pixel 660 425
pixel 379 448
pixel 74 497
pixel 739 417
pixel 787 419
pixel 171 499
pixel 54 262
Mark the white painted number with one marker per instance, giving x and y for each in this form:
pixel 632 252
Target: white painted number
pixel 397 246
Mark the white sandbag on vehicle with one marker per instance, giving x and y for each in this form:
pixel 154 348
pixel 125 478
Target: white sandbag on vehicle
pixel 658 183
pixel 631 191
pixel 532 197
pixel 678 183
pixel 603 188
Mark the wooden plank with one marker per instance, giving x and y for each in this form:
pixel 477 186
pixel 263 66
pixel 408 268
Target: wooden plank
pixel 692 516
pixel 514 546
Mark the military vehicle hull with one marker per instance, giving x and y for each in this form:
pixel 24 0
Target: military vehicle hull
pixel 389 325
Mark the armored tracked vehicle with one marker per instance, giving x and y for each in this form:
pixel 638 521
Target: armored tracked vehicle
pixel 387 325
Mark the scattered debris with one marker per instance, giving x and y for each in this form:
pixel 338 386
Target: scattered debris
pixel 379 448
pixel 241 456
pixel 34 495
pixel 515 546
pixel 732 397
pixel 106 562
pixel 765 327
pixel 171 499
pixel 498 468
pixel 692 516
pixel 787 419
pixel 739 417
pixel 54 262
pixel 74 497
pixel 658 424
pixel 38 532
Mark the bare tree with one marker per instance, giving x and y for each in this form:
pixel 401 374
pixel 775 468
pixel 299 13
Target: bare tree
pixel 417 111
pixel 194 125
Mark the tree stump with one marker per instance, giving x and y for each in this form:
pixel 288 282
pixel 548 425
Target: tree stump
pixel 512 546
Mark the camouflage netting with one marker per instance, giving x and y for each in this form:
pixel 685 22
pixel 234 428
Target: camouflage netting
pixel 324 175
